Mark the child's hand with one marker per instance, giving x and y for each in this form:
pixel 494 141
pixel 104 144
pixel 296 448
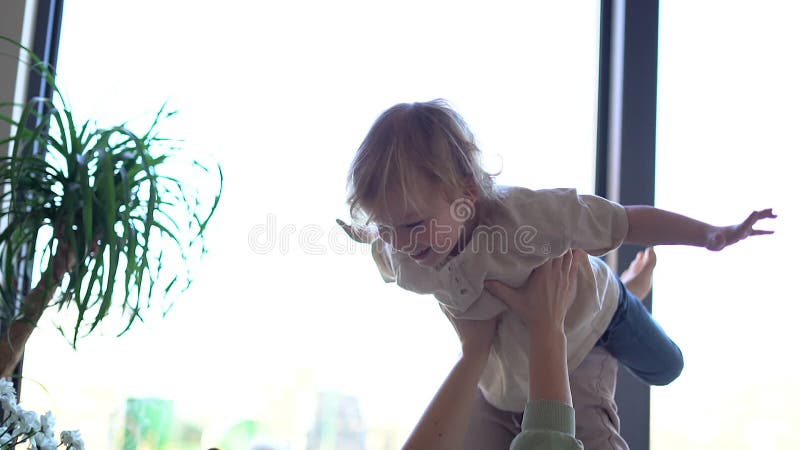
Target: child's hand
pixel 721 237
pixel 550 290
pixel 476 335
pixel 357 234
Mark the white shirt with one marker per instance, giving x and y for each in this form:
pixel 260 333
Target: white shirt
pixel 530 228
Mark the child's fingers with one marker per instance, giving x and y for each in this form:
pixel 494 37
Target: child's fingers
pixel 766 214
pixel 352 232
pixel 755 216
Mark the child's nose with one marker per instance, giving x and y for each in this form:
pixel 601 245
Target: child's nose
pixel 402 241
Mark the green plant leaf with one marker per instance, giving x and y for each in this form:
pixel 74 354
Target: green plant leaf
pixel 108 195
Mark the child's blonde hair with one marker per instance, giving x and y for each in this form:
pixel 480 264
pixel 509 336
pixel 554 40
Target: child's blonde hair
pixel 410 142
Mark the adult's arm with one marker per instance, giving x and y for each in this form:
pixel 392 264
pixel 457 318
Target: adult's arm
pixel 547 425
pixel 549 419
pixel 443 426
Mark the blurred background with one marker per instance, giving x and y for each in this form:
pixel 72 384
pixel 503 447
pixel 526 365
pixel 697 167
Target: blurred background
pixel 289 339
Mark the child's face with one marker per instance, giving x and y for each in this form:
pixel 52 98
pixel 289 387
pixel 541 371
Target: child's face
pixel 429 232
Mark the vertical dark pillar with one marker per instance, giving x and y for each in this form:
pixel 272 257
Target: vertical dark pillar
pixel 45 46
pixel 626 151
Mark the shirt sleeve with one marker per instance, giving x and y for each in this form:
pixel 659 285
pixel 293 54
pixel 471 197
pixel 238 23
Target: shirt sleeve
pixel 564 219
pixel 547 425
pixel 594 224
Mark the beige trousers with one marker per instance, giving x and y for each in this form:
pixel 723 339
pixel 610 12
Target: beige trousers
pixel 597 425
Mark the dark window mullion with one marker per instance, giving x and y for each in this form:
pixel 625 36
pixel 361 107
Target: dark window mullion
pixel 626 152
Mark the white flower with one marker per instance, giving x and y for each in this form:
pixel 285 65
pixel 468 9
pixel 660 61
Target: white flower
pixel 34 431
pixel 16 430
pixel 9 405
pixel 29 420
pixel 44 442
pixel 48 422
pixel 7 388
pixel 12 411
pixel 72 439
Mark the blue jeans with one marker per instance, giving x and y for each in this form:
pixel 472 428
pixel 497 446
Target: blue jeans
pixel 640 344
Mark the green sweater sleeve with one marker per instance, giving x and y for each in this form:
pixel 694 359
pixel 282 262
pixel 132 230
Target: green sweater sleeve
pixel 547 425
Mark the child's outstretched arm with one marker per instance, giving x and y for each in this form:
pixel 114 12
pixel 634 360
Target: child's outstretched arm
pixel 652 226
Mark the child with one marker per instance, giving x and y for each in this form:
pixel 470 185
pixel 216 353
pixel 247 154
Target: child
pixel 445 228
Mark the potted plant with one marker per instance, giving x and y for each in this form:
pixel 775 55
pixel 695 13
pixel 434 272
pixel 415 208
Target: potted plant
pixel 116 224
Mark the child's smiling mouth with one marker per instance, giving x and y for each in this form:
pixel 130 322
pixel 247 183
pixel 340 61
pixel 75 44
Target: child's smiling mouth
pixel 420 254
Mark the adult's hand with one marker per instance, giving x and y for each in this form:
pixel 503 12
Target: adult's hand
pixel 548 293
pixel 543 302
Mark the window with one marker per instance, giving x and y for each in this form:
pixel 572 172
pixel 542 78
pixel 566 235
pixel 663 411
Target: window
pixel 727 122
pixel 289 337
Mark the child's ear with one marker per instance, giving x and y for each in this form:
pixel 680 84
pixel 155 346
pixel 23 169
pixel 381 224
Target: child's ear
pixel 472 192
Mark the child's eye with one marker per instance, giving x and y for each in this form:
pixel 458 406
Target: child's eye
pixel 414 224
